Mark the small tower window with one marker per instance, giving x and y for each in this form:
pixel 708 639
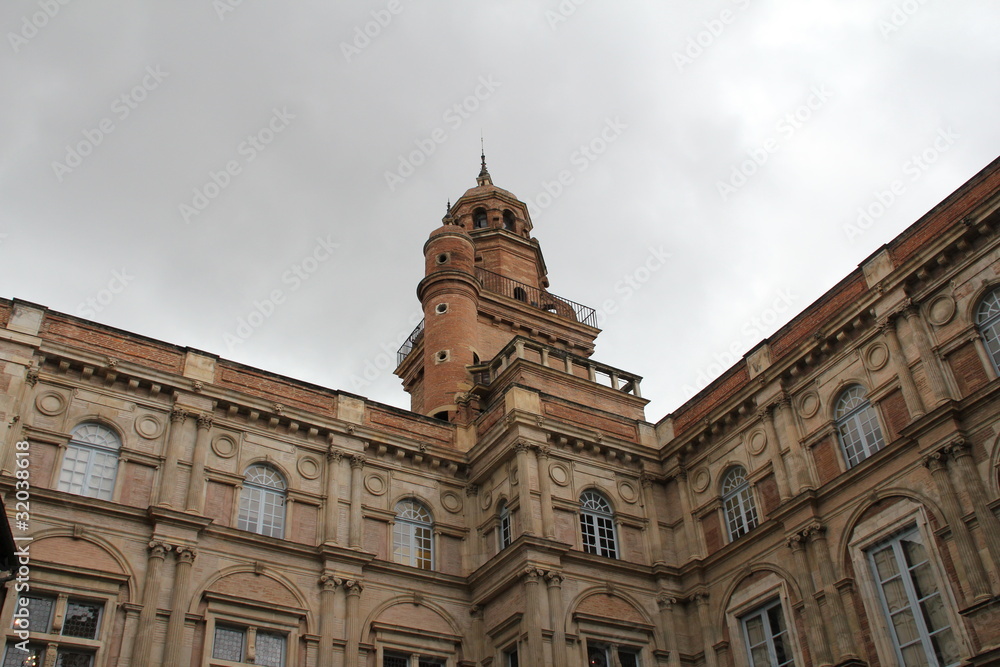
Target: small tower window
pixel 508 220
pixel 520 294
pixel 479 219
pixel 442 258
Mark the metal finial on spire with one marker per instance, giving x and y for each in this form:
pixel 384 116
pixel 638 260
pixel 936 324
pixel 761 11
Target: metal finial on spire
pixel 484 173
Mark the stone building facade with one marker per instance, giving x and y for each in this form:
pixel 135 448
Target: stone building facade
pixel 831 499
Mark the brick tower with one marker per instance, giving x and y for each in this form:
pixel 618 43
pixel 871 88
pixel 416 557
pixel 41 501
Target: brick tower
pixel 485 284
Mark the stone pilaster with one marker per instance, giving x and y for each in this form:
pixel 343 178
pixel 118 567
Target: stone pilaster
pixel 353 622
pixel 174 443
pixel 655 540
pixel 327 611
pixel 668 606
pixel 909 388
pixel 777 460
pixel 173 653
pixel 533 616
pixel 545 489
pixel 554 580
pixel 969 479
pixel 802 478
pixel 707 633
pixel 331 507
pixel 196 487
pixel 968 555
pixel 931 363
pixel 814 619
pixel 843 639
pixel 141 653
pixel 528 526
pixel 357 467
pixel 478 633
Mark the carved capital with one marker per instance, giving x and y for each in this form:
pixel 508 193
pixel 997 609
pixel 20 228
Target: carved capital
pixel 205 421
pixel 328 582
pixel 185 554
pixel 472 489
pixel 814 531
pixel 936 461
pixel 542 451
pixel 520 447
pixel 700 599
pixel 646 480
pixel 554 578
pixel 764 413
pixel 353 587
pixel 178 415
pixel 958 448
pixel 334 455
pixel 531 574
pixel 476 611
pixel 158 549
pixel 796 542
pixel 358 461
pixel 31 377
pixel 665 601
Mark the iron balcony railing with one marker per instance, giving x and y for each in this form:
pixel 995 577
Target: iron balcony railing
pixel 494 282
pixel 411 340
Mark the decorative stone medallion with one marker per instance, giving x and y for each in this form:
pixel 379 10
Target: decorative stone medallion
pixel 308 467
pixel 485 500
pixel 756 441
pixel 876 356
pixel 148 427
pixel 628 491
pixel 50 403
pixel 451 501
pixel 808 404
pixel 940 310
pixel 375 484
pixel 224 446
pixel 700 479
pixel 559 474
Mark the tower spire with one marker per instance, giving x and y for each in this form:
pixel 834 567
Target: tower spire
pixel 484 174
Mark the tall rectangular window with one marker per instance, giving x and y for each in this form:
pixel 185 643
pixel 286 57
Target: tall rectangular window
pixel 912 602
pixel 238 644
pixel 767 637
pixel 81 621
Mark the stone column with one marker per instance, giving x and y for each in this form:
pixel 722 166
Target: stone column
pixel 353 622
pixel 196 487
pixel 141 654
pixel 523 489
pixel 667 605
pixel 331 510
pixel 800 468
pixel 478 634
pixel 173 650
pixel 843 638
pixel 655 539
pixel 707 636
pixel 968 555
pixel 970 480
pixel 932 367
pixel 169 483
pixel 814 619
pixel 777 460
pixel 545 489
pixel 327 614
pixel 554 580
pixel 693 545
pixel 357 467
pixel 533 616
pixel 474 551
pixel 909 388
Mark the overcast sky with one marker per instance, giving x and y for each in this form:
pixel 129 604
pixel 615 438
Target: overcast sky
pixel 168 168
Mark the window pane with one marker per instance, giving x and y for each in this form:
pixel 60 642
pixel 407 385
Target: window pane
pixel 895 595
pixel 81 619
pixel 885 563
pixel 70 658
pixel 39 613
pixel 270 649
pixel 905 626
pixel 249 509
pixel 394 661
pixel 935 615
pixel 228 644
pixel 15 657
pixel 73 475
pixel 755 630
pixel 628 658
pixel 945 647
pixel 913 656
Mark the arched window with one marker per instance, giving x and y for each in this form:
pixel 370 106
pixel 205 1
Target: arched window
pixel 857 426
pixel 479 218
pixel 737 500
pixel 503 527
pixel 597 525
pixel 412 536
pixel 988 322
pixel 508 221
pixel 91 462
pixel 262 501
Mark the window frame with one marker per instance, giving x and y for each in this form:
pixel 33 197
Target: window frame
pixel 410 529
pixel 761 611
pixel 264 493
pixel 249 635
pixel 986 323
pixel 607 647
pixel 600 520
pixel 505 527
pixel 877 529
pixel 748 598
pixel 857 417
pixel 92 450
pixel 43 640
pixel 742 512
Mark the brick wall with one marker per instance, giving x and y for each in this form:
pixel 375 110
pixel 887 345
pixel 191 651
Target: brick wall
pixel 826 456
pixel 968 369
pixel 893 407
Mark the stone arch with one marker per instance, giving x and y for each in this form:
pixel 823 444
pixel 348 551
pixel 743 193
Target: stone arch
pixel 270 463
pixel 746 573
pixel 834 394
pixel 876 496
pixel 59 538
pixel 993 484
pixel 445 620
pixel 237 573
pixel 976 298
pixel 604 598
pixel 606 493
